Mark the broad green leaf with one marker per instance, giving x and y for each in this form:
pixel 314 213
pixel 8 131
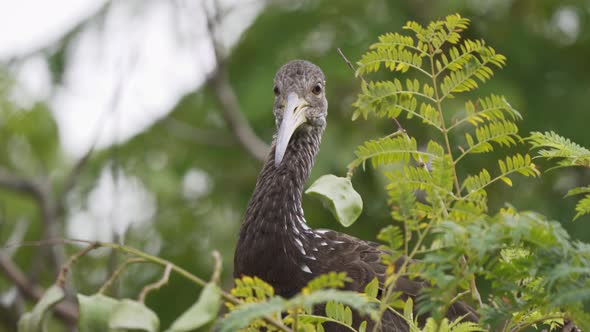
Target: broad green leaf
pixel 132 315
pixel 339 197
pixel 95 312
pixel 201 312
pixel 34 321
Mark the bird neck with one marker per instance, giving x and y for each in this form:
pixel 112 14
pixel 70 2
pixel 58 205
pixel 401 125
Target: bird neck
pixel 275 206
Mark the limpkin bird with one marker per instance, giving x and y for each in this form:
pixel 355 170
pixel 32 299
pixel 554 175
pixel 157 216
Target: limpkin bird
pixel 275 243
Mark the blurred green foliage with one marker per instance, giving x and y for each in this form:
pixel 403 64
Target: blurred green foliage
pixel 545 79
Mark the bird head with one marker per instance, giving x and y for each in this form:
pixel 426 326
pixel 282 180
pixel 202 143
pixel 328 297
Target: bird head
pixel 300 102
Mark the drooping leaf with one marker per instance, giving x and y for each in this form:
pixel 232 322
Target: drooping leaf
pixel 95 312
pixel 34 321
pixel 129 315
pixel 201 312
pixel 338 195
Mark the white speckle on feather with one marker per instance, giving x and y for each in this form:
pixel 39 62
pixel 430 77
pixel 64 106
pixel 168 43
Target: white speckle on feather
pixel 300 246
pixel 337 242
pixel 299 243
pixel 305 268
pixel 315 249
pixel 323 243
pixel 322 231
pixel 304 225
pixel 311 257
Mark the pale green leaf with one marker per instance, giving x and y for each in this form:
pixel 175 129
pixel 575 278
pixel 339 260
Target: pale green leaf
pixel 95 312
pixel 506 180
pixel 131 315
pixel 372 288
pixel 338 196
pixel 34 321
pixel 201 312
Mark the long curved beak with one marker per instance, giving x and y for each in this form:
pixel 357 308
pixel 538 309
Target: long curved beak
pixel 293 117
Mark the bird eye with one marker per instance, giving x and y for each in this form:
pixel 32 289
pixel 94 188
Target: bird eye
pixel 276 90
pixel 317 89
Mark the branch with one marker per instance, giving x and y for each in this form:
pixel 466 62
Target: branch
pixel 18 184
pixel 150 258
pixel 65 310
pixel 40 192
pixel 196 135
pixel 234 118
pixel 156 285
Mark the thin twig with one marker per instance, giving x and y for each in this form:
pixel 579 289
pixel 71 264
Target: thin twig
pixel 196 135
pixel 40 191
pixel 61 277
pixel 118 272
pixel 156 285
pixel 150 258
pixel 350 64
pixel 230 107
pixel 216 267
pixel 19 184
pixel 399 126
pixel 472 285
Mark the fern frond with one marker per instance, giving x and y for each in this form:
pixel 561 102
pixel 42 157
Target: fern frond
pixel 394 59
pixel 459 57
pixel 578 191
pixel 469 209
pixel 583 207
pixel 464 79
pixel 552 145
pixel 458 326
pixel 468 52
pixel 398 41
pixel 350 299
pixel 388 150
pixel 441 32
pixel 489 109
pixel 518 163
pixel 390 98
pixel 328 280
pixel 417 178
pixel 474 183
pixel 252 289
pixel 392 235
pixel 504 133
pixel 339 312
pixel 246 314
pixel 515 164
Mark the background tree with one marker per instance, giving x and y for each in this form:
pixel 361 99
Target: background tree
pixel 178 187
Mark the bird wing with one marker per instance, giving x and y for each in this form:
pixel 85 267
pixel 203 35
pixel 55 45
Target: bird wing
pixel 361 260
